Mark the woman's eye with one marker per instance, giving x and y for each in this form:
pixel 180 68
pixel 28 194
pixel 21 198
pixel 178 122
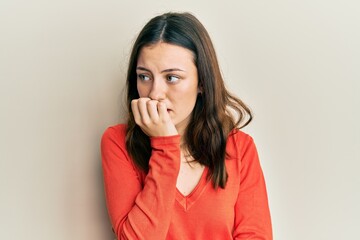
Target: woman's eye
pixel 172 78
pixel 143 77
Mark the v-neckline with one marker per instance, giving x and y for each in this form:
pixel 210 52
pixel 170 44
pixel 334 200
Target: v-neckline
pixel 187 201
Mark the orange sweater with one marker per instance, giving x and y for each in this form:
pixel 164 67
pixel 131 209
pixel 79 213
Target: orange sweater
pixel 149 206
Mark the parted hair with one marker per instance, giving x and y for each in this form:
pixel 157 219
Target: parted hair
pixel 216 113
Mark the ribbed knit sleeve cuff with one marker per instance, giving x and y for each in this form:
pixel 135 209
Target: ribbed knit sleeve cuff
pixel 164 141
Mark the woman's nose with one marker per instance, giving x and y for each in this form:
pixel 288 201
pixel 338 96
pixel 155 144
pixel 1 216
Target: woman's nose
pixel 157 91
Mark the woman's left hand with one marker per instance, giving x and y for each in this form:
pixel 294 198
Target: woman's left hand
pixel 152 117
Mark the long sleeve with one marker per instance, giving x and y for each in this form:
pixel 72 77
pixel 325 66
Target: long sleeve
pixel 140 211
pixel 252 215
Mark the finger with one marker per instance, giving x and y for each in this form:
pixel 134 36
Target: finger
pixel 145 118
pixel 152 110
pixel 162 110
pixel 135 111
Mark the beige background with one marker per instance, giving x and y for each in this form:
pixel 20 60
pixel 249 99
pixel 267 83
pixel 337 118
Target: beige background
pixel 62 65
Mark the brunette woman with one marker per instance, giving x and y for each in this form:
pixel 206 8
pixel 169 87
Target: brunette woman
pixel 181 168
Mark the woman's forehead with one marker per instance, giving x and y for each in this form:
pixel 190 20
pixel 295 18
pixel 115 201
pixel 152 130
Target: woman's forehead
pixel 165 55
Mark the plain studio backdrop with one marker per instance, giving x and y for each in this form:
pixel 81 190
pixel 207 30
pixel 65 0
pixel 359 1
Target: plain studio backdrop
pixel 62 73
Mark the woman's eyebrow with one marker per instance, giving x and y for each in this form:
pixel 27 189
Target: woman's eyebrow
pixel 142 68
pixel 172 70
pixel 166 70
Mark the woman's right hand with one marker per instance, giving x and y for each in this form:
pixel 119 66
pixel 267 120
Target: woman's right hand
pixel 152 117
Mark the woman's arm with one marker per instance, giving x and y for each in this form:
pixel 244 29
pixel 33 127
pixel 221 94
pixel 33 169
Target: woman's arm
pixel 252 215
pixel 138 212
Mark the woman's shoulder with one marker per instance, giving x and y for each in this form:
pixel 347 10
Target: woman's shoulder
pixel 238 135
pixel 239 141
pixel 113 147
pixel 120 128
pixel 115 133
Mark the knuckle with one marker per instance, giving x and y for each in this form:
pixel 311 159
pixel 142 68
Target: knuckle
pixel 134 102
pixel 152 102
pixel 146 122
pixel 164 120
pixel 137 121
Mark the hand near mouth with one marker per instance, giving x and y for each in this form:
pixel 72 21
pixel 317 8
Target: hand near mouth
pixel 153 117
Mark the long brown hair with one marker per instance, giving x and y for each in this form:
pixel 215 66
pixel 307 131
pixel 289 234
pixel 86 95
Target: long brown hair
pixel 216 112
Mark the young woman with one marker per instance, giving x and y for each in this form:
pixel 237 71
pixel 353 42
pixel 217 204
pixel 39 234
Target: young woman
pixel 181 168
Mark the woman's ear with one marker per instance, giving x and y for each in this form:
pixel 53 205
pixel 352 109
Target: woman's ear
pixel 200 89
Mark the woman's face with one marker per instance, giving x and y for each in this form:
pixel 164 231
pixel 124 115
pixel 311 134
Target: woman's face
pixel 167 73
